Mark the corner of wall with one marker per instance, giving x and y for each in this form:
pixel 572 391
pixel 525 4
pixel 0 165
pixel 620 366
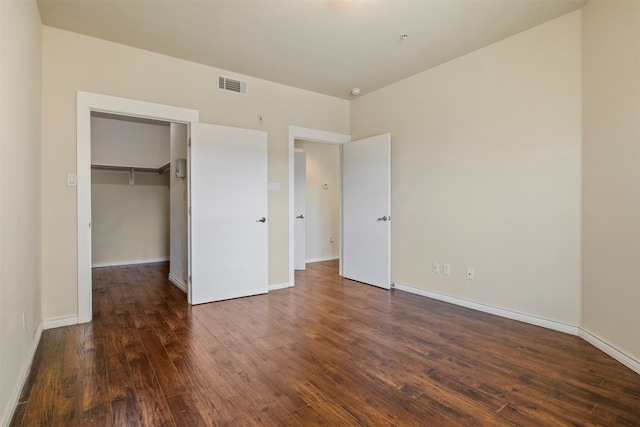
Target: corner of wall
pixel 23 373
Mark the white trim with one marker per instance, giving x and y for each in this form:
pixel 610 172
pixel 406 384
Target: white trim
pixel 130 262
pixel 179 283
pixel 86 103
pixel 22 378
pixel 322 259
pixel 595 341
pixel 277 286
pixel 526 318
pixel 313 135
pixel 607 348
pixel 59 322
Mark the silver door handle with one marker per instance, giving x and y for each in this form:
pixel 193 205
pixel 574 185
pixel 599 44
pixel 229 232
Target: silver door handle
pixel 384 218
pixel 263 219
pixel 300 216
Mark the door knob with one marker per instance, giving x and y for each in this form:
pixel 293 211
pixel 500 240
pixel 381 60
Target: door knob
pixel 384 218
pixel 300 216
pixel 263 219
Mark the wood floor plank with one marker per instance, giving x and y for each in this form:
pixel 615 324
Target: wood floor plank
pixel 382 403
pixel 166 373
pixel 96 406
pixel 185 410
pixel 323 406
pixel 43 400
pixel 430 412
pixel 328 352
pixel 151 399
pixel 209 406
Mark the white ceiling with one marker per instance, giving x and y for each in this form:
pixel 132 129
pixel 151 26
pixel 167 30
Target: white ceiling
pixel 325 46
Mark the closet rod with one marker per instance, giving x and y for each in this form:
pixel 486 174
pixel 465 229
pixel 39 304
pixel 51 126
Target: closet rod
pixel 159 170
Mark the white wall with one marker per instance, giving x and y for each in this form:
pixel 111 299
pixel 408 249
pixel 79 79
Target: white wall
pixel 129 143
pixel 486 172
pixel 178 200
pixel 323 205
pixel 129 223
pixel 611 164
pixel 73 62
pixel 20 89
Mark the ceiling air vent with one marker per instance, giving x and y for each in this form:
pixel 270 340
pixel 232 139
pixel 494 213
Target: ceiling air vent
pixel 232 85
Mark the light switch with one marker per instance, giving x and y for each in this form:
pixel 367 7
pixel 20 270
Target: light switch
pixel 72 180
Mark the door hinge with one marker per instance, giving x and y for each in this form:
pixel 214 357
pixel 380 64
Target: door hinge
pixel 189 279
pixel 189 210
pixel 189 143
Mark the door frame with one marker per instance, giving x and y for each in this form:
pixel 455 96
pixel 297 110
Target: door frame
pixel 86 103
pixel 311 135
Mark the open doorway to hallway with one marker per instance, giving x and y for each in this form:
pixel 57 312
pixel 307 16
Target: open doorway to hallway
pixel 317 202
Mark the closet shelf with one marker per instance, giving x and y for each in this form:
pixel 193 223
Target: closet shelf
pixel 162 169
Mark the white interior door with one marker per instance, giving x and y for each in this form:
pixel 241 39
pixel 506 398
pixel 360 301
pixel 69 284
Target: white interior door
pixel 228 230
pixel 366 210
pixel 300 211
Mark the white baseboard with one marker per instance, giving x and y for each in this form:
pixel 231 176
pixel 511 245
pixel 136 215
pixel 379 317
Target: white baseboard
pixel 179 283
pixel 130 262
pixel 607 348
pixel 277 286
pixel 59 322
pixel 322 259
pixel 595 341
pixel 22 378
pixel 526 318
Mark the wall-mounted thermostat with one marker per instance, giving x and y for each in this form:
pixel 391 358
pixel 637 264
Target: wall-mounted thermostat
pixel 181 168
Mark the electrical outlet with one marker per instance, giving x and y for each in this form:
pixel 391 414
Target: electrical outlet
pixel 470 274
pixel 435 267
pixel 446 269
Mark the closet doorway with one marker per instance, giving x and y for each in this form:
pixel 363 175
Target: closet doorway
pixel 139 193
pixel 216 154
pixel 88 103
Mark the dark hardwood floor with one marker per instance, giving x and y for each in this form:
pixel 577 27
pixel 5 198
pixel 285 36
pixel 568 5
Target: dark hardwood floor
pixel 328 352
